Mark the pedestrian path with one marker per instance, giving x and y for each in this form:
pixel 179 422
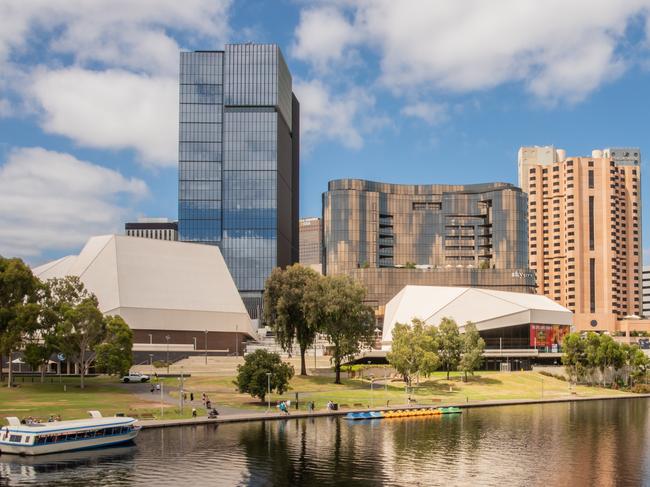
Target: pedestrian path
pixel 273 415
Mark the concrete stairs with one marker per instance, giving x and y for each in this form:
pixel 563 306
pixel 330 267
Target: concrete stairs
pixel 223 365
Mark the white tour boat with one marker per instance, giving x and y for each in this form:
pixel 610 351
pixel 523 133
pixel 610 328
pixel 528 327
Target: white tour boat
pixel 60 436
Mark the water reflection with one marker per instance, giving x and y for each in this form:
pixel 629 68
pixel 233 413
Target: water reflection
pixel 590 443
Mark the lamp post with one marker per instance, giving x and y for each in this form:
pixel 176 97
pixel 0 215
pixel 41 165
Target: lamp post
pixel 194 338
pixel 372 400
pixel 167 337
pixel 150 338
pixel 151 359
pixel 237 340
pixel 268 377
pixel 206 347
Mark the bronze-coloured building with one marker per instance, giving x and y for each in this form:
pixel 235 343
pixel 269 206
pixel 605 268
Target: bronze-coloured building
pixel 389 235
pixel 311 239
pixel 585 231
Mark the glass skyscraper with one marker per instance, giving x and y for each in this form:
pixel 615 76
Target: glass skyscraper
pixel 238 160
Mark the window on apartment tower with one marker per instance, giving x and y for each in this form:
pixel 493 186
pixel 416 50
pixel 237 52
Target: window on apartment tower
pixel 591 223
pixel 592 285
pixel 591 179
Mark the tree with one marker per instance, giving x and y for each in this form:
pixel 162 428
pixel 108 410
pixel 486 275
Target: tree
pixel 409 265
pixel 451 345
pixel 82 329
pixel 414 349
pixel 252 375
pixel 114 355
pixel 335 303
pixel 284 308
pixel 17 289
pixel 473 346
pixel 574 357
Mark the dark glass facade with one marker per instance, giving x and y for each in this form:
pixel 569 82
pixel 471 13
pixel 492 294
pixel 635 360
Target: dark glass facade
pixel 238 160
pixel 389 235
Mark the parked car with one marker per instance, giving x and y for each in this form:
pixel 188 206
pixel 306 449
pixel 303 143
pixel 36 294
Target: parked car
pixel 134 377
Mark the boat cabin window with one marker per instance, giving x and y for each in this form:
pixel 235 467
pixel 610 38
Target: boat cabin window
pixel 81 435
pixel 16 438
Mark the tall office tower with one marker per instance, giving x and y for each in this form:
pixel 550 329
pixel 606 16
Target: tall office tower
pixel 311 243
pixel 390 235
pixel 584 218
pixel 238 161
pixel 645 310
pixel 156 228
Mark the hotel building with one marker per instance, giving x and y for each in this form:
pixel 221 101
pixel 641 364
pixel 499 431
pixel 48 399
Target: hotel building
pixel 311 243
pixel 584 220
pixel 387 236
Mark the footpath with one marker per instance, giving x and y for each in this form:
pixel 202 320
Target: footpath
pixel 237 416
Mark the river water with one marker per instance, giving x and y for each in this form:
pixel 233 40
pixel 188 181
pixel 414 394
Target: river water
pixel 576 444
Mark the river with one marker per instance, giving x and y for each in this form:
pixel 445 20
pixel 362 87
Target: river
pixel 583 443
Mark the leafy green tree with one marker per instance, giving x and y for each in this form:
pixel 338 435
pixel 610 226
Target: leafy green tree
pixel 284 308
pixel 409 265
pixel 609 357
pixel 414 349
pixel 638 363
pixel 451 345
pixel 252 375
pixel 114 355
pixel 335 303
pixel 18 288
pixel 473 347
pixel 574 357
pixel 81 331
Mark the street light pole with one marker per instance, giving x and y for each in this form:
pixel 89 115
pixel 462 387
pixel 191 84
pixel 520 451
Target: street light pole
pixel 206 347
pixel 167 337
pixel 237 340
pixel 268 377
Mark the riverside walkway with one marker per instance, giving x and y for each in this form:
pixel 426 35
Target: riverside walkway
pixel 235 417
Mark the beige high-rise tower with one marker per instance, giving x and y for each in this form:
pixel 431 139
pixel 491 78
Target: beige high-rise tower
pixel 584 231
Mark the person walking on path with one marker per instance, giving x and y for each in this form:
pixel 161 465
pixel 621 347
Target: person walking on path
pixel 283 408
pixel 194 412
pixel 191 396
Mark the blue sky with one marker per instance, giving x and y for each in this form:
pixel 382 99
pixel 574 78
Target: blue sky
pixel 413 92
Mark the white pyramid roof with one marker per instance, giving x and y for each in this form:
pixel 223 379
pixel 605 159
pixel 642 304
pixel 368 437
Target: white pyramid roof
pixel 486 308
pixel 157 284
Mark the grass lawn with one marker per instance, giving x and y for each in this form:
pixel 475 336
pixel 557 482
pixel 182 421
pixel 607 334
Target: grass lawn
pixel 108 396
pixel 435 390
pixel 101 393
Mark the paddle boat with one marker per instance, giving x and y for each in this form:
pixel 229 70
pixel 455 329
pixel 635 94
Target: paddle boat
pixel 403 413
pixel 60 436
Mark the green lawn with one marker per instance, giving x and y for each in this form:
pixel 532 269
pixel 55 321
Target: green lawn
pixel 102 393
pixel 435 390
pixel 106 395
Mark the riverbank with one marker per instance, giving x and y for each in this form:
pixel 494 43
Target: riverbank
pixel 107 395
pixel 274 416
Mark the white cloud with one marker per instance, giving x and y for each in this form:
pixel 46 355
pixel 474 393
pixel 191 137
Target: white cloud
pixel 118 33
pixel 560 50
pixel 53 201
pixel 109 68
pixel 319 28
pixel 326 116
pixel 111 109
pixel 431 113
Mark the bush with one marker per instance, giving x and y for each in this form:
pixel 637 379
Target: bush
pixel 640 388
pixel 554 376
pixel 160 364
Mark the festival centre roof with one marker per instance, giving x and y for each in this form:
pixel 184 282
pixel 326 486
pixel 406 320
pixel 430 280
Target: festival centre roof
pixel 157 284
pixel 486 308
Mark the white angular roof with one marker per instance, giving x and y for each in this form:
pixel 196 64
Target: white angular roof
pixel 157 284
pixel 485 308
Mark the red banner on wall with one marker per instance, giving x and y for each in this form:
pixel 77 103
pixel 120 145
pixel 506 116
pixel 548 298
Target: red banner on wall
pixel 547 335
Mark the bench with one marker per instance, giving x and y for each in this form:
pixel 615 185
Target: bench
pixel 436 399
pixel 359 405
pixel 343 406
